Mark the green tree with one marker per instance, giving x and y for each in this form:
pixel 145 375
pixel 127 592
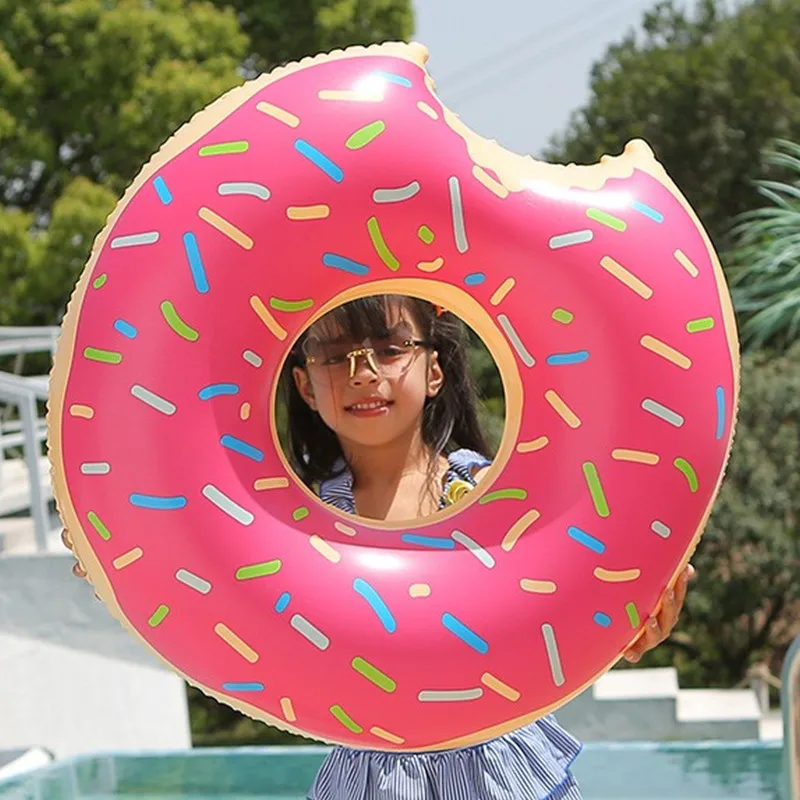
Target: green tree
pixel 707 89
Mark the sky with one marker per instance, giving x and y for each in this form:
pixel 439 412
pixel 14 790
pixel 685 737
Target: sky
pixel 513 70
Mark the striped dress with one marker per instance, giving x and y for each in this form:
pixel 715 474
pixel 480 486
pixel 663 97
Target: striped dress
pixel 532 763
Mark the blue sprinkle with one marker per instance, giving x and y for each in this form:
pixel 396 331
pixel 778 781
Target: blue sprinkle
pixel 377 604
pixel 217 389
pixel 348 265
pixel 475 279
pixel 465 634
pixel 126 329
pixel 243 448
pixel 195 263
pixel 282 603
pixel 162 190
pixel 318 159
pixel 561 359
pixel 243 687
pixel 581 537
pixel 656 216
pixel 157 503
pixel 603 620
pixel 720 412
pixel 392 78
pixel 429 541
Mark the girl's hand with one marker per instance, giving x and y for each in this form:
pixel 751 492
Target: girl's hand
pixel 658 628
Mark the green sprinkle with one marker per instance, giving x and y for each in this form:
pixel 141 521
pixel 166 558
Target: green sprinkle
pixel 224 149
pixel 697 325
pixel 100 281
pixel 98 525
pixel 426 234
pixel 106 356
pixel 688 470
pixel 380 679
pixel 259 570
pixel 633 615
pixel 159 615
pixel 379 243
pixel 363 136
pixel 346 719
pixel 300 513
pixel 177 324
pixel 596 489
pixel 503 494
pixel 563 316
pixel 604 218
pixel 290 305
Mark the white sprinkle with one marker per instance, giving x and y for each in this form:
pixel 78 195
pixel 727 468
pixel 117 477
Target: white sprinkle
pixel 153 400
pixel 552 654
pixel 505 323
pixel 661 529
pixel 662 412
pixel 569 239
pixel 253 189
pixel 482 555
pixel 95 468
pixel 457 208
pixel 193 581
pixel 396 195
pixel 224 503
pixel 310 631
pixel 151 237
pixel 252 358
pixel 449 696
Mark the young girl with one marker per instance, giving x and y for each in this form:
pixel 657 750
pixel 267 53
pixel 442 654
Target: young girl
pixel 383 422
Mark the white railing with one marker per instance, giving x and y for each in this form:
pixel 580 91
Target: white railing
pixel 790 700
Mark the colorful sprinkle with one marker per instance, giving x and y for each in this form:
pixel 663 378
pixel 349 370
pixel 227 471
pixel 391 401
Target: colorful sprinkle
pixel 310 632
pixel 264 314
pixel 319 160
pixel 449 695
pixel 563 316
pixel 663 413
pixel 426 235
pixel 533 445
pixel 660 529
pixel 346 264
pixel 253 359
pixel 195 260
pixel 479 552
pixel 684 467
pixel 376 603
pixel 345 529
pixel 172 318
pixel 562 409
pixel 193 581
pixel 595 489
pixel 475 278
pixel 585 539
pixel 245 188
pixel 633 615
pixel 156 502
pixel 162 190
pixel 386 735
pixel 318 211
pixel 99 526
pixel 626 277
pixel 325 549
pixel 281 114
pixel 426 109
pixel 235 642
pixel 616 575
pixel 503 494
pixel 226 505
pixel 158 616
pixel 419 590
pixel 686 263
pixel 134 240
pixel 287 709
pixel 609 220
pixel 282 603
pixel 103 356
pixel 126 329
pixel 342 716
pixel 373 674
pixel 241 447
pixel 642 208
pixel 263 484
pixel 95 468
pixel 537 587
pixel 551 646
pixel 494 186
pixel 565 359
pixel 397 195
pixel 224 148
pixel 571 239
pixel 226 228
pixel 434 542
pixel 260 570
pixel 636 456
pixel 499 687
pixel 126 559
pixel 300 513
pixel 502 291
pixel 153 400
pixel 720 397
pixel 518 528
pixel 698 325
pixel 363 136
pixel 431 266
pixel 457 212
pixel 467 635
pixel 392 78
pixel 379 243
pixel 218 390
pixel 100 281
pixel 665 351
pixel 505 323
pixel 244 412
pixel 243 687
pixel 603 620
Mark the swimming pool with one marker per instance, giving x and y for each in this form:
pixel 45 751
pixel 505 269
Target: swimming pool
pixel 630 771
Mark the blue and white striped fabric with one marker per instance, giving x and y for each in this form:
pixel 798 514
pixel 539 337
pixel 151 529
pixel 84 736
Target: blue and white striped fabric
pixel 532 763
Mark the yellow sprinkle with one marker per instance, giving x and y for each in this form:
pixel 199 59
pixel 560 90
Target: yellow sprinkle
pixel 537 587
pixel 225 228
pixel 320 211
pixel 562 409
pixel 431 266
pixel 419 590
pixel 279 113
pixel 262 484
pixel 496 685
pixel 389 737
pixel 665 351
pixel 532 446
pixel 518 528
pixel 624 276
pixel 426 109
pixel 325 549
pixel 502 291
pixel 244 411
pixel 239 645
pixel 686 263
pixel 265 315
pixel 126 559
pixel 345 529
pixel 82 411
pixel 288 709
pixel 616 575
pixel 349 96
pixel 489 182
pixel 637 456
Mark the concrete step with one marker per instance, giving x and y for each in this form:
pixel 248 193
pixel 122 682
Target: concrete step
pixel 15 484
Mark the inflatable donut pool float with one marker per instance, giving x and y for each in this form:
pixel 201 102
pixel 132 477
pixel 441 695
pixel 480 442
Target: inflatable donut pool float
pixel 595 289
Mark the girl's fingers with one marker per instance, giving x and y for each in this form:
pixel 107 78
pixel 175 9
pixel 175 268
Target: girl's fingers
pixel 652 636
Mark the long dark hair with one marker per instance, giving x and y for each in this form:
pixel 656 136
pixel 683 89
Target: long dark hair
pixel 450 419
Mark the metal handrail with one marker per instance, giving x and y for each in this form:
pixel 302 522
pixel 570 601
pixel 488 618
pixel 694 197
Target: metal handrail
pixel 790 701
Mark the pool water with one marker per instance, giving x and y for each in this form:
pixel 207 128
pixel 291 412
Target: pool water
pixel 631 771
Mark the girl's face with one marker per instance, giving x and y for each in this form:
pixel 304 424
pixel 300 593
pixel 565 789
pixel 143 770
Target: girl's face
pixel 372 392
